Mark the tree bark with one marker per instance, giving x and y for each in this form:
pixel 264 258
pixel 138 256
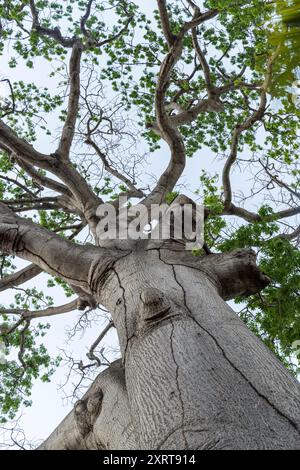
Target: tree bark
pixel 196 377
pixel 101 420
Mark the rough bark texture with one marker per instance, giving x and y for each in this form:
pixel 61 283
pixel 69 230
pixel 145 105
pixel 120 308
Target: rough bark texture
pixel 196 377
pixel 101 420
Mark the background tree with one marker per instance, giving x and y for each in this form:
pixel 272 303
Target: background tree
pixel 195 77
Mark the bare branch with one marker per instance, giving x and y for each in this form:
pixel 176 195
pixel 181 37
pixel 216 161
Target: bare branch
pixel 279 182
pixel 166 127
pixel 73 104
pixel 48 312
pixel 165 22
pixel 91 354
pixel 51 33
pixel 85 18
pixel 134 192
pixel 203 62
pixel 9 141
pixel 47 250
pixel 20 277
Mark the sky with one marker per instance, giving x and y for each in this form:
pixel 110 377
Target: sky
pixel 49 402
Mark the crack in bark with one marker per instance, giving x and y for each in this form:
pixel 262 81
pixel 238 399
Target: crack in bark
pixel 178 388
pixel 125 305
pixel 81 281
pixel 212 277
pixel 168 436
pixel 294 425
pixel 186 430
pixel 16 248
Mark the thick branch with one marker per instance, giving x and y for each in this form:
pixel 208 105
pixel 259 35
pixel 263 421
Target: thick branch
pixel 234 273
pixel 73 104
pixel 84 199
pixel 20 277
pixel 48 251
pixel 10 142
pixel 166 127
pixel 238 273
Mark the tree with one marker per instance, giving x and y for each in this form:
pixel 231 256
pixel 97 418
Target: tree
pixel 202 77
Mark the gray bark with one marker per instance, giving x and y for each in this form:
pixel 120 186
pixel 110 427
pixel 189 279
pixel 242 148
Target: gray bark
pixel 101 420
pixel 196 377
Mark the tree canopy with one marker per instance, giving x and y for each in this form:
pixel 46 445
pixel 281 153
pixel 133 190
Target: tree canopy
pixel 223 73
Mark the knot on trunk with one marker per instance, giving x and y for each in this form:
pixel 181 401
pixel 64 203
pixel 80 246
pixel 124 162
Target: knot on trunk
pixel 86 412
pixel 238 273
pixel 154 304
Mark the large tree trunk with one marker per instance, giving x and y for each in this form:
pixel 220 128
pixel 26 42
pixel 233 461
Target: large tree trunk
pixel 196 377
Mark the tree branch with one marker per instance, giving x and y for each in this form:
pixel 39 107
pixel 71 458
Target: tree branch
pixel 237 273
pixel 167 129
pixel 134 192
pixel 43 180
pixel 203 63
pixel 48 312
pixel 48 251
pixel 10 142
pixel 165 22
pixel 240 128
pixel 73 104
pixel 20 277
pixel 254 217
pixel 84 199
pixel 51 33
pixel 85 18
pixel 18 184
pixel 91 354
